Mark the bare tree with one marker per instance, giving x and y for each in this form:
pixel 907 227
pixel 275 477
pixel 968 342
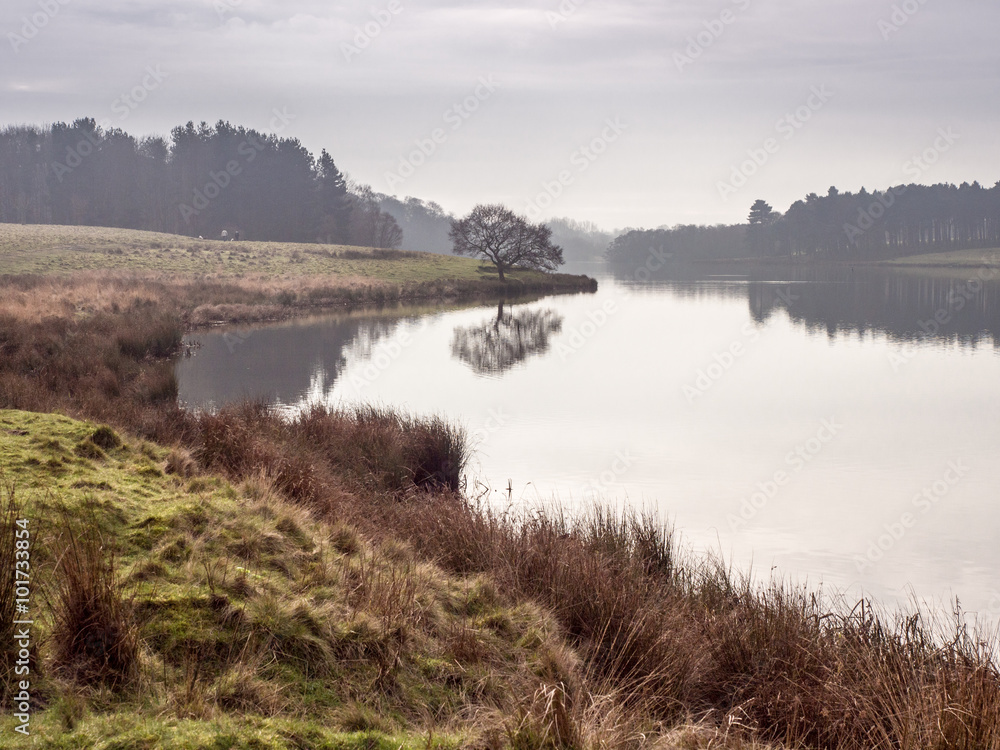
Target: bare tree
pixel 496 233
pixel 497 345
pixel 370 225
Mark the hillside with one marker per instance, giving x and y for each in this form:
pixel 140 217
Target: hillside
pixel 251 623
pixel 45 249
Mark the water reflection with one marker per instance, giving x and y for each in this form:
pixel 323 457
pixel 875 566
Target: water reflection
pixel 848 300
pixel 305 361
pixel 615 417
pixel 498 344
pixel 278 363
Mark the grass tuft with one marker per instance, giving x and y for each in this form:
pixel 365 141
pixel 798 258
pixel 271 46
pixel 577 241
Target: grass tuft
pixel 95 637
pixel 10 513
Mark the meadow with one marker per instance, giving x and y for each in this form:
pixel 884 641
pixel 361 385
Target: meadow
pixel 45 249
pixel 951 259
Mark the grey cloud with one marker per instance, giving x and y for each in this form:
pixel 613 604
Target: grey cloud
pixel 558 81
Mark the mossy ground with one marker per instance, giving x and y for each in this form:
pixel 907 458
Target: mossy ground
pixel 260 627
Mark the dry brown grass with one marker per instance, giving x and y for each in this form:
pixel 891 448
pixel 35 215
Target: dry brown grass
pixel 214 299
pixel 10 513
pixel 94 634
pixel 673 639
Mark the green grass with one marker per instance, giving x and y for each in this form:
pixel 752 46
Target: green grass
pixel 45 249
pixel 954 259
pixel 260 626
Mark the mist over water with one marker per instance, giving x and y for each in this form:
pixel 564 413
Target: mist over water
pixel 841 427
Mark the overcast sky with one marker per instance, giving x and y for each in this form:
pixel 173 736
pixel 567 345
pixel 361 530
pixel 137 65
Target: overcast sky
pixel 471 102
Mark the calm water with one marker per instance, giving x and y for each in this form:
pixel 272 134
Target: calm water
pixel 843 428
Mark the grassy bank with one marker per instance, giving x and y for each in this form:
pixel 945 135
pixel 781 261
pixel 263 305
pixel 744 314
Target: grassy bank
pixel 965 259
pixel 47 250
pixel 959 261
pixel 240 619
pixel 77 272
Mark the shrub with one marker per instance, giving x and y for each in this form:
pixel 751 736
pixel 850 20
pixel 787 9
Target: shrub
pixel 106 438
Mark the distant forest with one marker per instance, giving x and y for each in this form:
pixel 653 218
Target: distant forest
pixel 201 181
pixel 206 179
pixel 904 220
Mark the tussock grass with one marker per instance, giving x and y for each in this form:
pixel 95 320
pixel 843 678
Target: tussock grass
pixel 94 636
pixel 319 455
pixel 679 638
pixel 10 513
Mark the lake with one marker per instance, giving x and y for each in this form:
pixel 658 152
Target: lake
pixel 840 427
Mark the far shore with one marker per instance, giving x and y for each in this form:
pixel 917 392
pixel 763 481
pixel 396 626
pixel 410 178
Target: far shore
pixel 209 282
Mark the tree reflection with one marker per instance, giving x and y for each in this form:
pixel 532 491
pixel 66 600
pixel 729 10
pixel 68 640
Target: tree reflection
pixel 497 345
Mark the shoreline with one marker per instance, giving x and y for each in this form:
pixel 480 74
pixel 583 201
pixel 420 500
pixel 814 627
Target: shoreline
pixel 322 581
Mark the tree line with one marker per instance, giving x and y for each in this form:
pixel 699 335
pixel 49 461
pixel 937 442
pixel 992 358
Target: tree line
pixel 902 220
pixel 200 181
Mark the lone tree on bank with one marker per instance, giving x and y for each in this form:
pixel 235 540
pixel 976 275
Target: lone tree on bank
pixel 499 235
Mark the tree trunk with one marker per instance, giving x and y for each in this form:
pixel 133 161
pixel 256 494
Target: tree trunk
pixel 500 271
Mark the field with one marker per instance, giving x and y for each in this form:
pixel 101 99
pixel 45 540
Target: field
pixel 43 249
pixel 51 271
pixel 963 259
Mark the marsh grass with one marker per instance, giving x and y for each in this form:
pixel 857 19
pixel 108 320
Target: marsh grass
pixel 94 634
pixel 678 638
pixel 10 513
